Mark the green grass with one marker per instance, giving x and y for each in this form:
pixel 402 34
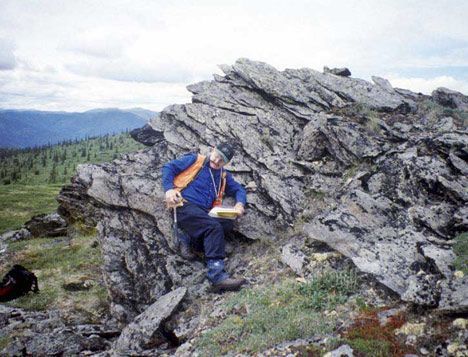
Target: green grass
pixel 259 318
pixel 461 252
pixel 4 341
pixel 433 112
pixel 350 172
pixel 315 194
pixel 370 115
pixel 18 203
pixel 371 348
pixel 57 253
pixel 56 261
pixel 329 289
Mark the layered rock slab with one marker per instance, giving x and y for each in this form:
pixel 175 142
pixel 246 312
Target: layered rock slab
pixel 140 334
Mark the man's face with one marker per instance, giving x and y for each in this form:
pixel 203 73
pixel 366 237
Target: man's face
pixel 216 161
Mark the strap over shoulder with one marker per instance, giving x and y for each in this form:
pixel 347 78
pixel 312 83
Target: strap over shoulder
pixel 183 179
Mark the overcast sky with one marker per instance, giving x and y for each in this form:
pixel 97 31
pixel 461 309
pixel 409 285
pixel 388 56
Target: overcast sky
pixel 75 55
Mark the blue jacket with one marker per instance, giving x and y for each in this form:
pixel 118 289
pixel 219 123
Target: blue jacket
pixel 201 190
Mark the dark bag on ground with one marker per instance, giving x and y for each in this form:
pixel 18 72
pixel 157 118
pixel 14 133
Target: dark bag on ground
pixel 17 282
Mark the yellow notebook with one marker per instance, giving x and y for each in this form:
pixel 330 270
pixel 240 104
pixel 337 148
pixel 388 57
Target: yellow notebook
pixel 223 212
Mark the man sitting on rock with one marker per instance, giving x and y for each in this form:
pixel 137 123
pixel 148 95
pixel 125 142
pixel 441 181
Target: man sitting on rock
pixel 198 183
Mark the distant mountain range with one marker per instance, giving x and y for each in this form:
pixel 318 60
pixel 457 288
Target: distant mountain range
pixel 28 128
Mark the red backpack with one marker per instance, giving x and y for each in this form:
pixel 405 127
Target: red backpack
pixel 17 282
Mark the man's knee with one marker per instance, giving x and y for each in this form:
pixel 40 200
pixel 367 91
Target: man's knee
pixel 227 225
pixel 215 227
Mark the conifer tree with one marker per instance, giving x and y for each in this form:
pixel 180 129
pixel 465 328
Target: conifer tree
pixel 53 174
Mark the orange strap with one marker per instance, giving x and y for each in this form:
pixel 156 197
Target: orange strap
pixel 183 179
pixel 218 202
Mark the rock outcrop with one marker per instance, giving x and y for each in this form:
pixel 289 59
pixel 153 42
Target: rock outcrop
pixel 355 162
pixel 47 334
pixel 41 225
pixel 47 225
pixel 451 99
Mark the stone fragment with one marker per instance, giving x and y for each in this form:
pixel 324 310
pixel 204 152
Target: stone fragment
pixel 416 329
pixel 386 315
pixel 424 351
pixel 322 257
pixel 342 351
pixel 454 296
pixel 293 257
pixel 343 72
pixel 78 285
pixel 460 323
pixel 383 83
pixel 14 236
pixel 142 331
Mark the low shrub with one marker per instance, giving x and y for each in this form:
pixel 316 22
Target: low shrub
pixel 369 338
pixel 460 249
pixel 330 289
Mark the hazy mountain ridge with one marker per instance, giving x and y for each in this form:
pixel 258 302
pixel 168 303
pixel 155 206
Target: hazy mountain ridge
pixel 28 128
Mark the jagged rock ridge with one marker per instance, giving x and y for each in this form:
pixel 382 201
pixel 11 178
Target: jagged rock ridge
pixel 391 175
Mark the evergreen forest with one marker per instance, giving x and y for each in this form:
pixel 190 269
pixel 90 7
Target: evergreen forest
pixel 55 164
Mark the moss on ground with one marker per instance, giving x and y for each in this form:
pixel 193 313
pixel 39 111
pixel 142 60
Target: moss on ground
pixel 4 341
pixel 461 252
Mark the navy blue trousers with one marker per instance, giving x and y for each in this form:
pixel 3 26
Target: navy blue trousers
pixel 206 233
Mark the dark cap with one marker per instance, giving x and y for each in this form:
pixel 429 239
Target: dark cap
pixel 226 151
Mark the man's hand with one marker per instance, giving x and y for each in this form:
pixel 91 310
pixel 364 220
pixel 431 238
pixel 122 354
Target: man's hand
pixel 173 198
pixel 239 207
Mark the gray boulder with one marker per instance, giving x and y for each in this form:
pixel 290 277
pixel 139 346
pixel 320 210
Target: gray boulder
pixel 146 135
pixel 32 333
pixel 47 225
pixel 17 235
pixel 450 98
pixel 293 257
pixel 342 351
pixel 344 72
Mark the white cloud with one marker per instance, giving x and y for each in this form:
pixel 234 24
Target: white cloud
pixel 101 42
pixel 426 86
pixel 156 45
pixel 130 70
pixel 7 57
pixel 36 90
